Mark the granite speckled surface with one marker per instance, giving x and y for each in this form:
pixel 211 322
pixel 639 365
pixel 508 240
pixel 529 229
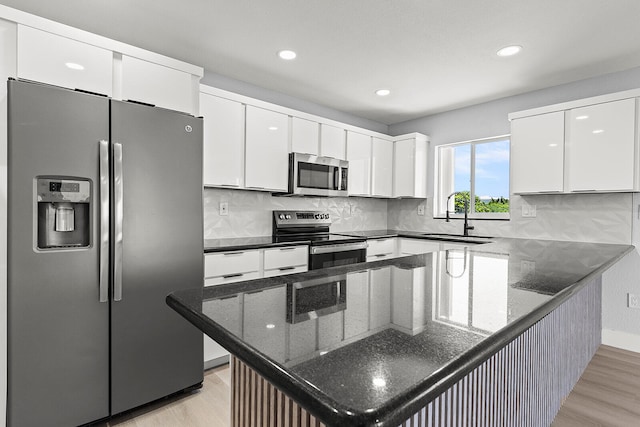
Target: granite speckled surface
pixel 408 328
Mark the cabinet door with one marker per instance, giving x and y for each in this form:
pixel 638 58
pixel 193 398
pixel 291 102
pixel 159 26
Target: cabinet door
pixel 155 84
pixel 380 294
pixel 381 168
pixel 359 157
pixel 601 147
pixel 266 145
pixel 304 136
pixel 410 168
pixel 57 60
pixel 537 153
pixel 332 142
pixel 223 141
pixel 356 315
pixel 264 321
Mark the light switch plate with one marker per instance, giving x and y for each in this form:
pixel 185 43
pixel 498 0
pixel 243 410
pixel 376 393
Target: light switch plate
pixel 421 209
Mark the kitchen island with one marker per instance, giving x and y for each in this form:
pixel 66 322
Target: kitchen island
pixel 493 334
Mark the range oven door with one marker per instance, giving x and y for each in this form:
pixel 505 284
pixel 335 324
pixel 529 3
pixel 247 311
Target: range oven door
pixel 311 175
pixel 324 256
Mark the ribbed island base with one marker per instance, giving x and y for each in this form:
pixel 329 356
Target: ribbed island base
pixel 523 384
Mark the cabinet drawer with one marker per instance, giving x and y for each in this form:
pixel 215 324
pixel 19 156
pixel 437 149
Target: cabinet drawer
pixel 380 246
pixel 238 277
pixel 222 264
pixel 285 257
pixel 285 270
pixel 418 246
pixel 379 257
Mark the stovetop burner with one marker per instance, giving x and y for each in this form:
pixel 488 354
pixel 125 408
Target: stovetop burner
pixel 307 225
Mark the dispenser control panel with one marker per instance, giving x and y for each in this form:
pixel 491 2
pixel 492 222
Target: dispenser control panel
pixel 63 190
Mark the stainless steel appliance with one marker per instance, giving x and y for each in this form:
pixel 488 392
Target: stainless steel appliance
pixel 311 175
pixel 104 220
pixel 326 249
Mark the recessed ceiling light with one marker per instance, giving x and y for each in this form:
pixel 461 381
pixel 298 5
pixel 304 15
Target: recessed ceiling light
pixel 597 131
pixel 287 54
pixel 582 117
pixel 509 50
pixel 273 127
pixel 383 92
pixel 74 66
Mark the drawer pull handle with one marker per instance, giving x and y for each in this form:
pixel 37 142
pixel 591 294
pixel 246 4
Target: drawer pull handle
pixel 229 276
pixel 379 255
pixel 232 253
pixel 288 249
pixel 286 268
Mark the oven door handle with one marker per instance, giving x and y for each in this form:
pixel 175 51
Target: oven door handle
pixel 341 247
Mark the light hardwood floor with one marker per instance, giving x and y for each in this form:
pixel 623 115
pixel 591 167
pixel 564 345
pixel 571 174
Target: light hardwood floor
pixel 608 394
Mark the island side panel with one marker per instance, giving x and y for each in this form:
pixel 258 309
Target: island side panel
pixel 524 383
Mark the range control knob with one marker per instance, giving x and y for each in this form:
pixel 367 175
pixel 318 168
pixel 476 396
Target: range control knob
pixel 288 216
pixel 281 216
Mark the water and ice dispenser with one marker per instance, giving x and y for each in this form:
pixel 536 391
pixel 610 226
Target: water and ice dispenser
pixel 64 212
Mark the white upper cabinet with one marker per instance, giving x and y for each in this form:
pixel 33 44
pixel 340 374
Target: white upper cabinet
pixel 381 167
pixel 410 167
pixel 223 141
pixel 601 147
pixel 305 136
pixel 60 61
pixel 267 149
pixel 158 85
pixel 537 153
pixel 359 157
pixel 332 142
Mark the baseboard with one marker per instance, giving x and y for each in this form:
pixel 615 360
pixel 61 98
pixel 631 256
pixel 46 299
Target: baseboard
pixel 623 340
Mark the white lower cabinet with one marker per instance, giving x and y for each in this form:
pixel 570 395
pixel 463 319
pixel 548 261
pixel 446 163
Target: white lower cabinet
pixel 381 248
pixel 407 246
pixel 236 266
pixel 356 314
pixel 380 296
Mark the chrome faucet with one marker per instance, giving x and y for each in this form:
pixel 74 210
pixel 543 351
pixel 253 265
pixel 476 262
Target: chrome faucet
pixel 467 227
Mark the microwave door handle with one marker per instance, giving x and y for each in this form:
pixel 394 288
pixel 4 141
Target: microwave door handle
pixel 337 177
pixel 118 218
pixel 104 221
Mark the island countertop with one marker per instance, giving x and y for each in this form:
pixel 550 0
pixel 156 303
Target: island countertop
pixel 367 344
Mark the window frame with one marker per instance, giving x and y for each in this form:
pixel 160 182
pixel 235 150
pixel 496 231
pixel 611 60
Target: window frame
pixel 440 199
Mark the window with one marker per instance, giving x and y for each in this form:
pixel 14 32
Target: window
pixel 475 173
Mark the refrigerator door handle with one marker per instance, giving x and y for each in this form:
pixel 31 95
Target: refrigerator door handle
pixel 118 213
pixel 104 221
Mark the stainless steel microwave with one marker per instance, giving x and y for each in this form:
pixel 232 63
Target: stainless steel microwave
pixel 311 175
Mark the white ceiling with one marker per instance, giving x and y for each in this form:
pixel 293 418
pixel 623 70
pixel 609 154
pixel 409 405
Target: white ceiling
pixel 434 55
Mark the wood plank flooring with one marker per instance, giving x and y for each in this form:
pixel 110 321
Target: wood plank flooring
pixel 608 394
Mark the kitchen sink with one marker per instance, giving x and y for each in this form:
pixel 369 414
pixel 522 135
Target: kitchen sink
pixel 458 238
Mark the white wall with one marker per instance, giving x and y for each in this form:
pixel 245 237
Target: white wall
pixel 610 218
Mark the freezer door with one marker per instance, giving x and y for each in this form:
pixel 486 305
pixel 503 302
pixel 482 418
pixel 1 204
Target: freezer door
pixel 154 351
pixel 58 331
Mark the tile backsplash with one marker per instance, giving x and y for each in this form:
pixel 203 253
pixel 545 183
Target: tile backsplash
pixel 605 218
pixel 250 212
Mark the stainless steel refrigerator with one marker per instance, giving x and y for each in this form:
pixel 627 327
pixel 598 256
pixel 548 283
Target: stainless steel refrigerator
pixel 104 220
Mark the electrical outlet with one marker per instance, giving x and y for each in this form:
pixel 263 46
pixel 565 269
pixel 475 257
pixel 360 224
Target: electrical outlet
pixel 527 267
pixel 224 208
pixel 421 209
pixel 528 211
pixel 633 301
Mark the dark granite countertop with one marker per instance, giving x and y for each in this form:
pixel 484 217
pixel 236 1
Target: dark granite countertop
pixel 404 330
pixel 246 243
